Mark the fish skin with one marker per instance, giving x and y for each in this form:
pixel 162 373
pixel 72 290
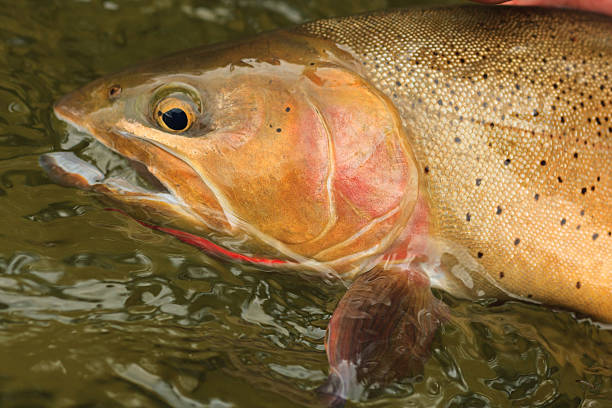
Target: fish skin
pixel 500 108
pixel 509 113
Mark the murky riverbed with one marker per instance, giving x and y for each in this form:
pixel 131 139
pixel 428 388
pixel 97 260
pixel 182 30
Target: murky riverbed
pixel 98 311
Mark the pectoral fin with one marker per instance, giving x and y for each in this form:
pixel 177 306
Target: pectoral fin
pixel 380 331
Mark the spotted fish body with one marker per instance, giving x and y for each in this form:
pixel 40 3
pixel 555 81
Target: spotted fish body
pixel 464 148
pixel 510 117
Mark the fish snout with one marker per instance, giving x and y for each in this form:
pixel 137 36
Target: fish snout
pixel 71 107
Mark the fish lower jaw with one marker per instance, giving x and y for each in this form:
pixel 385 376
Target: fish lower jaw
pixel 67 169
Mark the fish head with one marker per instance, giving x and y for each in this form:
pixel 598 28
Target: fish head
pixel 276 141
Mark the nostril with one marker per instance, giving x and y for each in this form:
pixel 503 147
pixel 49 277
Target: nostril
pixel 114 92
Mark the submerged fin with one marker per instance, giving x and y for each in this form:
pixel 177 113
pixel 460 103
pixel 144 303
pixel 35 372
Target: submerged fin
pixel 380 331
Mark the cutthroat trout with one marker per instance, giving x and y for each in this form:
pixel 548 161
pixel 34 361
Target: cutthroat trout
pixel 462 148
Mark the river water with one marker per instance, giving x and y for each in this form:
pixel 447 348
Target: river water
pixel 98 311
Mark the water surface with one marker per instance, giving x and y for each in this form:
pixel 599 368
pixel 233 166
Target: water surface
pixel 98 311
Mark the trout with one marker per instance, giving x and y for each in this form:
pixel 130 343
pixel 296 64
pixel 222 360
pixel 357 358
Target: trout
pixel 466 149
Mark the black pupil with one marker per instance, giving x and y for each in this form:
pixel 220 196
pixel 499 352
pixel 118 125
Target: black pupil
pixel 175 119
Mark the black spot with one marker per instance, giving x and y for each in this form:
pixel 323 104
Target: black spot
pixel 501 275
pixel 457 140
pixel 287 109
pixel 583 190
pixel 543 163
pixel 468 217
pixel 498 210
pixel 529 295
pixel 480 254
pixel 278 130
pixel 578 285
pixel 478 181
pixel 563 221
pixel 595 236
pixel 506 162
pixel 426 169
pixel 517 241
pixel 536 197
pixel 440 102
pixel 560 179
pixel 535 113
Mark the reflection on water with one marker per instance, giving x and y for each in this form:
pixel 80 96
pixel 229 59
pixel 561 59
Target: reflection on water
pixel 96 310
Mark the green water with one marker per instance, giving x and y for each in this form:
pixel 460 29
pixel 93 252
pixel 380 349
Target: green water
pixel 98 311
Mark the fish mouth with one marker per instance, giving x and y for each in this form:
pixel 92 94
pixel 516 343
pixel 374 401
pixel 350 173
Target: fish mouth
pixel 121 174
pixel 68 169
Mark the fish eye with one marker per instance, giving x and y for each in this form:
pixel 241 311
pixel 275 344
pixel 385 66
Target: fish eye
pixel 174 114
